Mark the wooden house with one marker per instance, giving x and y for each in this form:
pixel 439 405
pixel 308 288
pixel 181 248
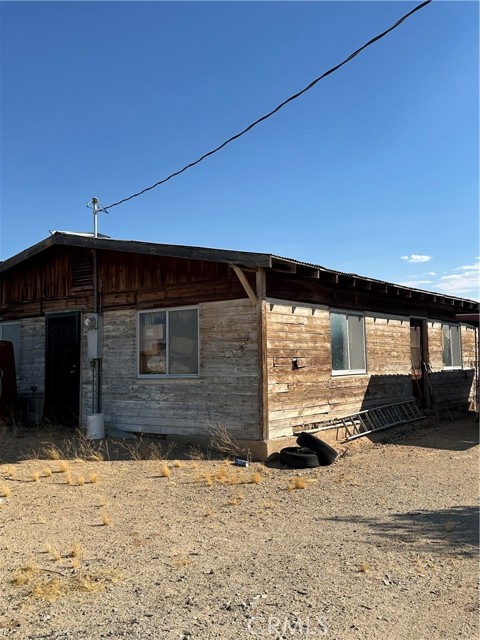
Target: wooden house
pixel 175 340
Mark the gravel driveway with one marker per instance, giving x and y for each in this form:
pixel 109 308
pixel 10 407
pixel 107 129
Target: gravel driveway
pixel 382 544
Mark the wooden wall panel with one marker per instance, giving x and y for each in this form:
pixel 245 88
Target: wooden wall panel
pixel 224 395
pixel 456 387
pixel 435 345
pixel 31 369
pixel 469 347
pixel 311 393
pixel 388 345
pixel 44 284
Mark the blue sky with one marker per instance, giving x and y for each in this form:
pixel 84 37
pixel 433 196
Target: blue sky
pixel 374 171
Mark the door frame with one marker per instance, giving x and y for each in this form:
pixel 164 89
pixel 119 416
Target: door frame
pixel 76 315
pixel 424 381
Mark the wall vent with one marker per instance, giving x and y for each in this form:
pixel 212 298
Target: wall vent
pixel 82 270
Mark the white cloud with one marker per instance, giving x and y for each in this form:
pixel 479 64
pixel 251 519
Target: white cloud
pixel 469 267
pixel 415 283
pixel 466 284
pixel 462 282
pixel 416 258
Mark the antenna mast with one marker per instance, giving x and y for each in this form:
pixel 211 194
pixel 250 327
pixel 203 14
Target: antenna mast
pixel 95 217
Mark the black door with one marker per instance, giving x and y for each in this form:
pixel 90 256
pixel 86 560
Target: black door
pixel 62 369
pixel 419 358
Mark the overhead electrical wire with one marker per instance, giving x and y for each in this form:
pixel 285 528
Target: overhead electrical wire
pixel 271 113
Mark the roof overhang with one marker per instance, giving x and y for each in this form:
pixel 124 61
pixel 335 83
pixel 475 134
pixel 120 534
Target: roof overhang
pixel 247 260
pixel 244 258
pixel 470 318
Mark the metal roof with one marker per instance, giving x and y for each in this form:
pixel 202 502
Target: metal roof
pixel 246 259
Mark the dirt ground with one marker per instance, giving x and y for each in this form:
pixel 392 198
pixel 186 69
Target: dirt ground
pixel 380 545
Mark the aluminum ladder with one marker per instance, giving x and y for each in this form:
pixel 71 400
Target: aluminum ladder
pixel 360 424
pixel 367 421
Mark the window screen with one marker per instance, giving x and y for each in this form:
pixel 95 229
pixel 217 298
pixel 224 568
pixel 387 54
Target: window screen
pixel 347 332
pixel 452 346
pixel 168 342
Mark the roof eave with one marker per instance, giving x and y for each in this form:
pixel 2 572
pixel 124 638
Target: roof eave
pixel 244 258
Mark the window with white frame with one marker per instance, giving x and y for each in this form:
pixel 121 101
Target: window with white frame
pixel 168 342
pixel 347 332
pixel 11 331
pixel 452 347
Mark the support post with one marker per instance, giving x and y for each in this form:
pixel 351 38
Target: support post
pixel 245 284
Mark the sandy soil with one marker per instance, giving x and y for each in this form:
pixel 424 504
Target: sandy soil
pixel 382 544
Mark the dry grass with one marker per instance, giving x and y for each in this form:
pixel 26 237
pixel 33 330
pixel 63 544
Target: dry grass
pixel 363 567
pixel 76 448
pixel 36 476
pixel 5 491
pixel 232 478
pixel 105 519
pixel 235 498
pixel 165 471
pixel 195 452
pixel 222 441
pixel 80 481
pixel 42 585
pixel 75 551
pixel 182 561
pixel 24 575
pixel 56 555
pixel 222 474
pixel 9 471
pixel 47 472
pixel 256 477
pixel 297 483
pixel 52 452
pixel 93 478
pixel 144 449
pixel 68 478
pixel 63 466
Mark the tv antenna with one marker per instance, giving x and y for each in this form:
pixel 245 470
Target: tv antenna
pixel 93 204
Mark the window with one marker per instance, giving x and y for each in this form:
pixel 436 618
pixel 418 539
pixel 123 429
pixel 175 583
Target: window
pixel 168 342
pixel 347 332
pixel 11 332
pixel 452 347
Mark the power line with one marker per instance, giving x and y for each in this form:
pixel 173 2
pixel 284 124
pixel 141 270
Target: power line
pixel 271 113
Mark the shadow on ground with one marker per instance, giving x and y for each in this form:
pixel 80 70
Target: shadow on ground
pixel 459 434
pixel 454 530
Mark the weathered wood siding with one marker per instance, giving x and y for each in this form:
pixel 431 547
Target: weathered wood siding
pixel 470 354
pixel 456 387
pixel 224 395
pixel 310 393
pixel 31 368
pixel 46 283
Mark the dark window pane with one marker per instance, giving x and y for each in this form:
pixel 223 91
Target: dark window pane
pixel 356 335
pixel 152 345
pixel 338 332
pixel 456 346
pixel 447 346
pixel 183 341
